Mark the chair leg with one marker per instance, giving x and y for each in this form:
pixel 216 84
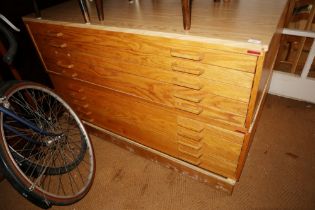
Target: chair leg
pixel 100 9
pixel 186 14
pixel 36 8
pixel 84 11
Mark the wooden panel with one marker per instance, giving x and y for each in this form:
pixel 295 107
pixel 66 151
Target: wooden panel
pixel 146 45
pixel 87 66
pixel 153 125
pixel 192 96
pixel 210 147
pixel 223 168
pixel 234 21
pixel 151 66
pixel 222 143
pixel 145 123
pixel 186 169
pixel 264 70
pixel 220 101
pixel 201 104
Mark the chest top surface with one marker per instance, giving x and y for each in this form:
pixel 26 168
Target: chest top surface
pixel 233 23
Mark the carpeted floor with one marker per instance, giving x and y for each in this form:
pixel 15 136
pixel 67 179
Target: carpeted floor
pixel 279 172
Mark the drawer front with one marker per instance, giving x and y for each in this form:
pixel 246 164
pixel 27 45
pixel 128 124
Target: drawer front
pixel 197 103
pixel 179 76
pixel 186 92
pixel 201 144
pixel 145 123
pixel 209 147
pixel 150 66
pixel 148 45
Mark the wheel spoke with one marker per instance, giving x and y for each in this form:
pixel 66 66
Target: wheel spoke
pixel 60 167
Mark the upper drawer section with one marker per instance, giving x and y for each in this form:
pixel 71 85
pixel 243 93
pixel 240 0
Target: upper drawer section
pixel 148 45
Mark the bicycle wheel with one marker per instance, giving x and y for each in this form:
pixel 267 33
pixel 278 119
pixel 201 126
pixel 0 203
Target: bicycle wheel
pixel 47 169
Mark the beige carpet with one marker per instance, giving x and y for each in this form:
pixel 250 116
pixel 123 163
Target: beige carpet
pixel 279 172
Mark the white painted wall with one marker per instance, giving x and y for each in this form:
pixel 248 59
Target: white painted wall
pixel 292 86
pixel 295 86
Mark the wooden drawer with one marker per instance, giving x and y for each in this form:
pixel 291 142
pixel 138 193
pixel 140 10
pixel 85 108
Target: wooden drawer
pixel 186 92
pixel 199 103
pixel 96 40
pixel 127 116
pixel 179 76
pixel 152 66
pixel 210 147
pixel 198 143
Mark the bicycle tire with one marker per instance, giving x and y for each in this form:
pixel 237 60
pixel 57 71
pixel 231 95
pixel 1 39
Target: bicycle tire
pixel 28 185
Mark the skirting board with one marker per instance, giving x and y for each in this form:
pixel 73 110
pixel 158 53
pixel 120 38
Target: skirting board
pixel 219 182
pixel 292 86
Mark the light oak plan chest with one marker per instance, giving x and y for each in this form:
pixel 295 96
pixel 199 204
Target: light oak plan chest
pixel 188 99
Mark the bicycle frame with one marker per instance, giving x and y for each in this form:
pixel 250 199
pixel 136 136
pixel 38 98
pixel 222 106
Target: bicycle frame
pixel 28 124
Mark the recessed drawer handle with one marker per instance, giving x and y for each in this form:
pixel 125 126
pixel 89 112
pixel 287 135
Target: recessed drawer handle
pixel 190 124
pixel 186 55
pixel 75 88
pixel 195 147
pixel 187 135
pixel 80 104
pixel 89 120
pixel 54 34
pixel 77 96
pixel 187 85
pixel 84 113
pixel 71 74
pixel 183 150
pixel 195 162
pixel 63 65
pixel 188 108
pixel 195 71
pixel 195 99
pixel 58 45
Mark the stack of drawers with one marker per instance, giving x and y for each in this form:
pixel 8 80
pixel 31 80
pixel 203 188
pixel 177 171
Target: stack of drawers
pixel 182 98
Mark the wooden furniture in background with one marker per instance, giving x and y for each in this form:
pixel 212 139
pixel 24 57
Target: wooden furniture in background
pixel 186 11
pixel 100 9
pixel 294 49
pixel 189 100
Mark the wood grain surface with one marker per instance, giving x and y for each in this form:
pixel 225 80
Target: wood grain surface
pixel 230 23
pixel 194 96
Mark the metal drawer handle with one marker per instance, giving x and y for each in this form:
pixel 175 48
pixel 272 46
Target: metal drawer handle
pixel 54 34
pixel 188 85
pixel 58 45
pixel 186 55
pixel 196 71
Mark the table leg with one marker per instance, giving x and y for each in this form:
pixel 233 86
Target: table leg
pixel 186 14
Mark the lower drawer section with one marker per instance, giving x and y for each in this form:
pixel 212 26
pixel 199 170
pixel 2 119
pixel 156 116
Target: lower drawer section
pixel 208 146
pixel 161 128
